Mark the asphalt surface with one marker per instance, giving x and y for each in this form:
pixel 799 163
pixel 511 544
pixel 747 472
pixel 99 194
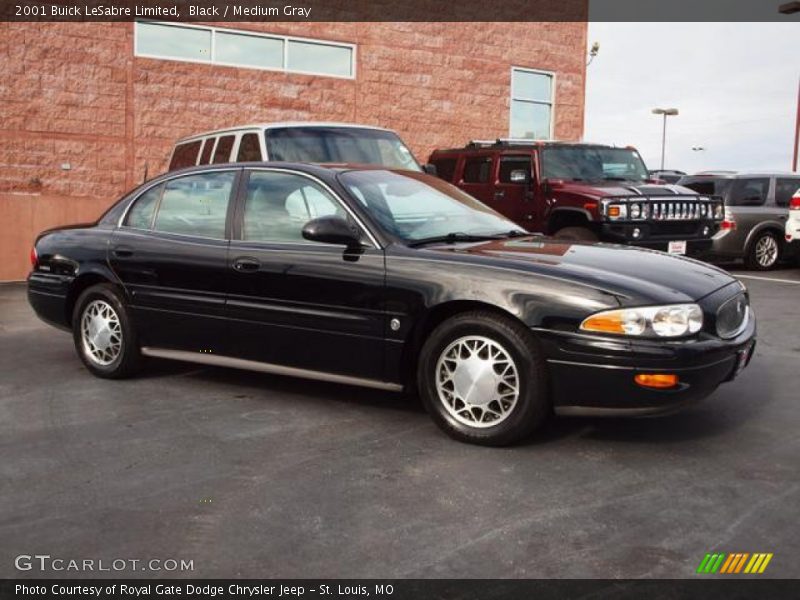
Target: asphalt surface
pixel 251 475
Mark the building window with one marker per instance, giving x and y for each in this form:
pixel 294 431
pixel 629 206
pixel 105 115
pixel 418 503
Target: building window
pixel 531 104
pixel 235 48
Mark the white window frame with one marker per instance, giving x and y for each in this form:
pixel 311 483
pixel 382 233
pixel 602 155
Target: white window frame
pixel 551 103
pixel 212 60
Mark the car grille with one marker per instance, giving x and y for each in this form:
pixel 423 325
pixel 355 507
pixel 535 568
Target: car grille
pixel 732 316
pixel 679 210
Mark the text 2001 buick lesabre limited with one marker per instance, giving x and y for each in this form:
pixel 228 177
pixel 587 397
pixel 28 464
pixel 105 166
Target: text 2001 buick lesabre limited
pixel 389 279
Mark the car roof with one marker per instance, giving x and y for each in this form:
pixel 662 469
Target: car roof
pixel 742 174
pixel 521 144
pixel 279 125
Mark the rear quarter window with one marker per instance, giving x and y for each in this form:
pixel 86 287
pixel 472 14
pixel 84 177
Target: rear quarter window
pixel 749 192
pixel 141 213
pixel 249 148
pixel 185 155
pixel 785 188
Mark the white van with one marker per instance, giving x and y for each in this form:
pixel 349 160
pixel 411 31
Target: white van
pixel 295 142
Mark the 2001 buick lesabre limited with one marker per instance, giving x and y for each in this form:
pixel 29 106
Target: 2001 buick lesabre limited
pixel 389 279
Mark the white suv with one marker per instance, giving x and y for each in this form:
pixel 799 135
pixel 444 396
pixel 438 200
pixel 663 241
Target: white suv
pixel 295 142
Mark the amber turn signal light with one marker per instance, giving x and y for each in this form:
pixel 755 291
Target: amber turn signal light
pixel 656 380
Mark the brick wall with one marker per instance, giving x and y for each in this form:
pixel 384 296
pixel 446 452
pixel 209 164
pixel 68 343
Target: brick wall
pixel 74 93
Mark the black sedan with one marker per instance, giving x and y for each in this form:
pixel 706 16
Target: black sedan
pixel 394 280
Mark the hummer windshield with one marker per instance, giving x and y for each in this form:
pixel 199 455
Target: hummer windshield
pixel 592 163
pixel 320 144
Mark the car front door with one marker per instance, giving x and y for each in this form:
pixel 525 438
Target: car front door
pixel 514 199
pixel 296 303
pixel 170 252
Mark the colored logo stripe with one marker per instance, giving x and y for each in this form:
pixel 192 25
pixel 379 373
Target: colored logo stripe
pixel 734 562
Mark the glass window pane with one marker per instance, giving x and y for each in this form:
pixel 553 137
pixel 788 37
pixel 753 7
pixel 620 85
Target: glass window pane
pixel 205 155
pixel 785 189
pixel 476 170
pixel 249 148
pixel 278 205
pixel 532 86
pixel 185 155
pixel 173 42
pixel 514 163
pixel 196 205
pixel 445 168
pixel 529 120
pixel 222 153
pixel 749 192
pixel 248 50
pixel 141 213
pixel 320 58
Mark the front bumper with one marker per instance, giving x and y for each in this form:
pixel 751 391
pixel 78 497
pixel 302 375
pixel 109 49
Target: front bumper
pixel 657 236
pixel 594 376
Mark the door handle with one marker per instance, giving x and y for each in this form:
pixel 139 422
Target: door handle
pixel 499 195
pixel 246 265
pixel 122 252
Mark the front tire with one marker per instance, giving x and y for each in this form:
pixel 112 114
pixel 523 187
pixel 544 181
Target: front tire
pixel 764 252
pixel 483 380
pixel 103 334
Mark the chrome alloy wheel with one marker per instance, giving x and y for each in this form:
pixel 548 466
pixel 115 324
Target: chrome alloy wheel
pixel 101 333
pixel 477 381
pixel 766 251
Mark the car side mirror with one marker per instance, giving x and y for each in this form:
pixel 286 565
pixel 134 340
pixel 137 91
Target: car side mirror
pixel 331 229
pixel 430 169
pixel 519 176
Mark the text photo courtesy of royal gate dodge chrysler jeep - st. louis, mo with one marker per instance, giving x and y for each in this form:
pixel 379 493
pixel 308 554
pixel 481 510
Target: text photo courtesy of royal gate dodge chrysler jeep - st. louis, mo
pixel 400 300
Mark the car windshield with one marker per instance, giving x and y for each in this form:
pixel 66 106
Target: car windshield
pixel 339 145
pixel 417 208
pixel 592 163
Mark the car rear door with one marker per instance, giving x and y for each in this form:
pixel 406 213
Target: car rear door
pixel 748 201
pixel 515 199
pixel 170 252
pixel 297 303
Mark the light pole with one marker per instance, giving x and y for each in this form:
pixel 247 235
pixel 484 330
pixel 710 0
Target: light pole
pixel 667 112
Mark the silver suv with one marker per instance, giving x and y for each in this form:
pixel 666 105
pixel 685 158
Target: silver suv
pixel 756 209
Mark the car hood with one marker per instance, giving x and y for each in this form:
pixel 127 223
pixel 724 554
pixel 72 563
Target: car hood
pixel 637 276
pixel 621 188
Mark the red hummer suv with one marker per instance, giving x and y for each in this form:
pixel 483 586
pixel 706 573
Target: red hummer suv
pixel 582 192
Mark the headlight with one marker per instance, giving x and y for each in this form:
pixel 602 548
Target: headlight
pixel 673 320
pixel 617 211
pixel 636 211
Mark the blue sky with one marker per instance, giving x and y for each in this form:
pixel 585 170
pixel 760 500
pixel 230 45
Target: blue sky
pixel 735 85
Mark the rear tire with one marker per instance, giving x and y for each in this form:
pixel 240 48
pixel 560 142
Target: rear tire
pixel 103 333
pixel 483 379
pixel 578 234
pixel 764 252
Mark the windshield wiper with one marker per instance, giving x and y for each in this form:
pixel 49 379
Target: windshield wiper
pixel 453 237
pixel 612 178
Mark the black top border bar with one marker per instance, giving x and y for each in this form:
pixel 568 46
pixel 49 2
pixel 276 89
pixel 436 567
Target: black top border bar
pixel 402 10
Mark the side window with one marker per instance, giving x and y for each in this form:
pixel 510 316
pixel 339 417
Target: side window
pixel 445 168
pixel 196 205
pixel 749 192
pixel 141 213
pixel 222 154
pixel 205 155
pixel 785 189
pixel 476 170
pixel 514 163
pixel 278 205
pixel 249 148
pixel 185 155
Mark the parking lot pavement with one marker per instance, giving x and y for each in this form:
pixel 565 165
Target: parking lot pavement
pixel 255 475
